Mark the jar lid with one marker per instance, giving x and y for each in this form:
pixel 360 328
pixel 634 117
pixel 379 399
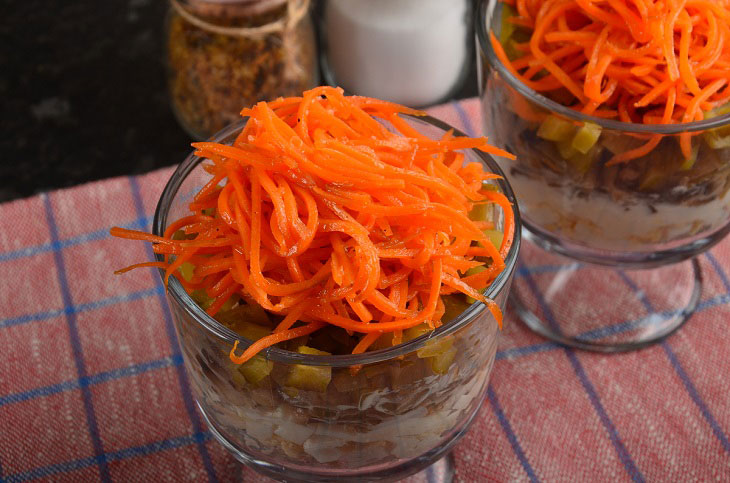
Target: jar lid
pixel 254 17
pixel 231 8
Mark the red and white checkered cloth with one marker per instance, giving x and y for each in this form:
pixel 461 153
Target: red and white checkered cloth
pixel 92 385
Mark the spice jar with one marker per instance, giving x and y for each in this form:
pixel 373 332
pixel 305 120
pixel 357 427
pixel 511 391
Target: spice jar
pixel 414 52
pixel 224 55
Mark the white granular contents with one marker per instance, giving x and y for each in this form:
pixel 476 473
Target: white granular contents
pixel 407 51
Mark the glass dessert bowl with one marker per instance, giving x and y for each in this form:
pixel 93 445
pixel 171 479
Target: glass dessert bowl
pixel 292 413
pixel 604 220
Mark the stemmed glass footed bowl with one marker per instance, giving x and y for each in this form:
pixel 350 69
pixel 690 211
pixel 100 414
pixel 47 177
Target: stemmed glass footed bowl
pixel 400 412
pixel 612 261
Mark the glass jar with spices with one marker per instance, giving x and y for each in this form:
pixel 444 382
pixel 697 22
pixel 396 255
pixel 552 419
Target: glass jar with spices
pixel 224 55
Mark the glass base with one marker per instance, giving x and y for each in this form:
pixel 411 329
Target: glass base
pixel 599 308
pixel 440 471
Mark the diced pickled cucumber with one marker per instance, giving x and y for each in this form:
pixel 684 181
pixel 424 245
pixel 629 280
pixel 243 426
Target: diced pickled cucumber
pixel 440 363
pixel 180 235
pixel 309 378
pixel 252 331
pixel 186 270
pixel 294 344
pixel 228 304
pixel 454 304
pixel 435 347
pixel 583 162
pixel 474 271
pixel 208 211
pixel 507 27
pixel 489 186
pixel 249 313
pixel 256 369
pixel 554 128
pixel 586 137
pixel 495 236
pixel 566 149
pixel 481 212
pixel 383 342
pixel 202 299
pixel 238 379
pixel 688 163
pixel 718 138
pixel 416 332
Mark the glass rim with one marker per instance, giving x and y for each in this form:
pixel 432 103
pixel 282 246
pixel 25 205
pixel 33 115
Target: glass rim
pixel 211 325
pixel 486 10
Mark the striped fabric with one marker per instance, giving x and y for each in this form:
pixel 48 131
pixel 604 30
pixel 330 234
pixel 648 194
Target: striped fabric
pixel 92 385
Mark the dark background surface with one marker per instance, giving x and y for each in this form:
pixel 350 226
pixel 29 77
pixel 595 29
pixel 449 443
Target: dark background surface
pixel 83 93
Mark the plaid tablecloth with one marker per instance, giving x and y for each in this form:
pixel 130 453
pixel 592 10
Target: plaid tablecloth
pixel 92 385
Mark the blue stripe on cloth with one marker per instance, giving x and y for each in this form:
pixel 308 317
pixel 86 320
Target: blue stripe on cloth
pixel 24 319
pixel 76 348
pixel 464 118
pixel 718 269
pixel 695 396
pixel 25 252
pixel 133 452
pixel 516 352
pixel 613 435
pixel 133 370
pixel 172 337
pixel 77 240
pixel 511 436
pixel 674 361
pixel 75 309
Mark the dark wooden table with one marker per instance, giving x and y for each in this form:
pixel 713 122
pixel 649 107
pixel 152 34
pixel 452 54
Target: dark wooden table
pixel 84 96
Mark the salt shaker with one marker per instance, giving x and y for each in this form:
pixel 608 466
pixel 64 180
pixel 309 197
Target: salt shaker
pixel 414 52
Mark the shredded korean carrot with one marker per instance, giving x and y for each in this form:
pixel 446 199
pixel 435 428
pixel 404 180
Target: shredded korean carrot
pixel 322 214
pixel 626 58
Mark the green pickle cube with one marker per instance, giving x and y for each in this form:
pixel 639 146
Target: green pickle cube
pixel 586 137
pixel 186 270
pixel 507 27
pixel 416 332
pixel 202 299
pixel 718 138
pixel 495 236
pixel 454 304
pixel 435 347
pixel 383 342
pixel 239 316
pixel 474 271
pixel 440 363
pixel 566 149
pixel 252 331
pixel 688 163
pixel 256 369
pixel 440 354
pixel 481 212
pixel 309 378
pixel 583 162
pixel 554 128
